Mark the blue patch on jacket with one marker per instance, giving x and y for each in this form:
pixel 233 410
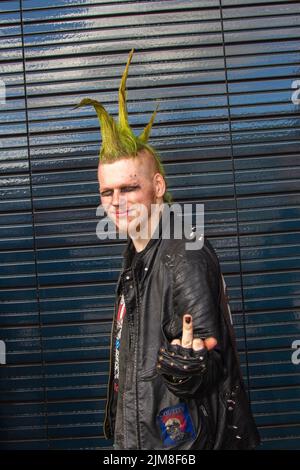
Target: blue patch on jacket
pixel 176 424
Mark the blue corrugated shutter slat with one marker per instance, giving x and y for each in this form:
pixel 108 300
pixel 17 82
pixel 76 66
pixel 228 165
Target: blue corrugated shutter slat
pixel 228 134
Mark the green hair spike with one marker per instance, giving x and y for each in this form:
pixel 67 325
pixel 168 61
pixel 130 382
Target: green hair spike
pixel 118 139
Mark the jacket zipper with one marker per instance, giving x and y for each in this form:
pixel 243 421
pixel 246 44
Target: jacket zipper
pixel 111 361
pixel 134 347
pixel 135 361
pixel 108 395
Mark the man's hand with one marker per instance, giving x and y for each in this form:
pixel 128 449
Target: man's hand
pixel 188 341
pixel 186 357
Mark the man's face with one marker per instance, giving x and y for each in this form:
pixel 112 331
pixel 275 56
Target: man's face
pixel 127 182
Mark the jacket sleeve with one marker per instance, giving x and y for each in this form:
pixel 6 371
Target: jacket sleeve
pixel 188 373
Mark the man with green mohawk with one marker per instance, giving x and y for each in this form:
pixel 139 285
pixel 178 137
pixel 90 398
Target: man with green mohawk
pixel 129 158
pixel 175 380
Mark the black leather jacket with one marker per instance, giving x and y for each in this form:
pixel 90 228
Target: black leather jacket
pixel 194 400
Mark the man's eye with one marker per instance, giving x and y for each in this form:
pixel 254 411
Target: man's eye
pixel 129 188
pixel 126 189
pixel 106 193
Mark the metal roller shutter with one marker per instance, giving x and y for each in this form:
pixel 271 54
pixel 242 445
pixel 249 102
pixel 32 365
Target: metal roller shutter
pixel 228 133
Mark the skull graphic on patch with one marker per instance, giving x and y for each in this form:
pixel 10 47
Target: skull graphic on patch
pixel 176 425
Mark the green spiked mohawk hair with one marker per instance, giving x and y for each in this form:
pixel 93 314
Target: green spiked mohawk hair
pixel 118 139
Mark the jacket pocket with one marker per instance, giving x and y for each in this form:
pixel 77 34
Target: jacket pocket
pixel 205 440
pixel 148 375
